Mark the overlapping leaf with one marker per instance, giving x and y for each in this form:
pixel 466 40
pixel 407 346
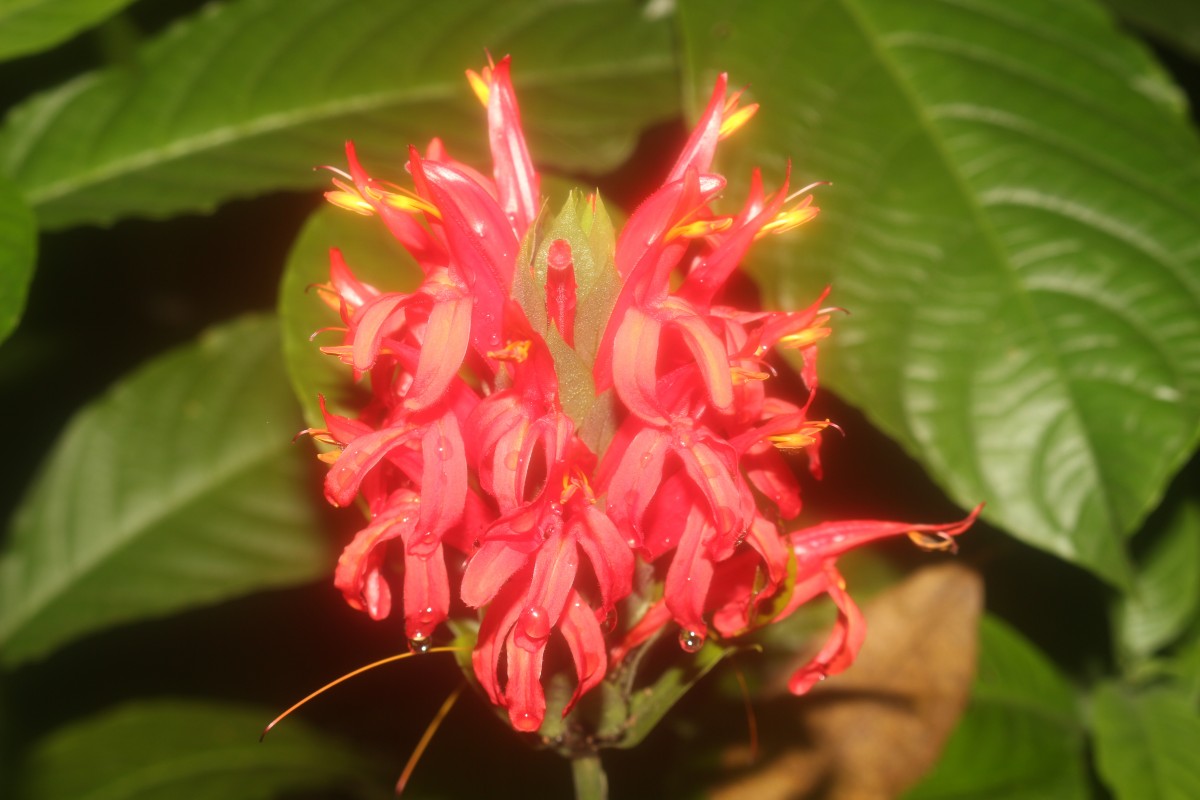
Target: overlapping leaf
pixel 1166 589
pixel 18 246
pixel 174 748
pixel 249 95
pixel 1013 227
pixel 1146 742
pixel 1021 734
pixel 179 488
pixel 27 26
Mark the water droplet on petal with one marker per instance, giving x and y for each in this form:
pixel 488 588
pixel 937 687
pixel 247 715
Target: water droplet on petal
pixel 419 643
pixel 691 641
pixel 609 622
pixel 526 722
pixel 427 616
pixel 445 450
pixel 535 623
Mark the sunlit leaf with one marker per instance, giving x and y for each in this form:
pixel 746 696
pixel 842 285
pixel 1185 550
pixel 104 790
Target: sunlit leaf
pixel 1012 225
pixel 1166 590
pixel 173 749
pixel 249 95
pixel 1021 735
pixel 179 488
pixel 27 26
pixel 18 252
pixel 1146 742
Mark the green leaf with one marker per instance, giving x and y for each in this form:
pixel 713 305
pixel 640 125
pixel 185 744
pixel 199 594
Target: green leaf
pixel 1166 589
pixel 1146 742
pixel 376 258
pixel 250 95
pixel 173 749
pixel 179 488
pixel 18 254
pixel 1020 736
pixel 1175 22
pixel 28 26
pixel 1012 224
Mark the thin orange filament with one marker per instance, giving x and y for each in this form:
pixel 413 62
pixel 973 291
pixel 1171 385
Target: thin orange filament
pixel 349 675
pixel 426 738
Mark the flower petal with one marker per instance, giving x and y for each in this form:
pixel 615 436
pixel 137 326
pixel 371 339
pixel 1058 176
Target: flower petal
pixel 447 333
pixel 516 180
pixel 844 642
pixel 586 642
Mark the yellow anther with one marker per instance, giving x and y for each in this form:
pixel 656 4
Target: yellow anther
pixel 814 333
pixel 349 198
pixel 516 351
pixel 744 374
pixel 790 219
pixel 800 438
pixel 732 122
pixel 329 457
pixel 575 481
pixel 699 228
pixel 481 84
pixel 403 200
pixel 937 542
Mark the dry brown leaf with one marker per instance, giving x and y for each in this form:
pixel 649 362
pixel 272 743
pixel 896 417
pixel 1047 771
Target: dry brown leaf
pixel 873 731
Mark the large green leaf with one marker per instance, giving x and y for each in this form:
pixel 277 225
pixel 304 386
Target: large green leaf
pixel 18 252
pixel 179 488
pixel 1146 742
pixel 1013 227
pixel 27 26
pixel 1166 590
pixel 1020 736
pixel 250 95
pixel 174 749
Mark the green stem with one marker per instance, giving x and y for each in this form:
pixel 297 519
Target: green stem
pixel 590 781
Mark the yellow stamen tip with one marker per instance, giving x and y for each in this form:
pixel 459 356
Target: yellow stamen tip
pixel 801 438
pixel 732 123
pixel 516 351
pixel 481 84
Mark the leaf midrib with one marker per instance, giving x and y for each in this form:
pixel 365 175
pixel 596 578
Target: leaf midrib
pixel 988 232
pixel 127 535
pixel 353 104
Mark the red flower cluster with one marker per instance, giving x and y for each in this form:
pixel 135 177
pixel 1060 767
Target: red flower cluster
pixel 555 405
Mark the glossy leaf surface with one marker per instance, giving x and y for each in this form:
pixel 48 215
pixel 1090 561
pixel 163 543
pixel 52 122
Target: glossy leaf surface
pixel 1012 225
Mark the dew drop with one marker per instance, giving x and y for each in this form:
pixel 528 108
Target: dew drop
pixel 419 643
pixel 526 722
pixel 535 623
pixel 445 451
pixel 691 641
pixel 609 623
pixel 427 616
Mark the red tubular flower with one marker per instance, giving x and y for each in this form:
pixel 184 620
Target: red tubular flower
pixel 490 433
